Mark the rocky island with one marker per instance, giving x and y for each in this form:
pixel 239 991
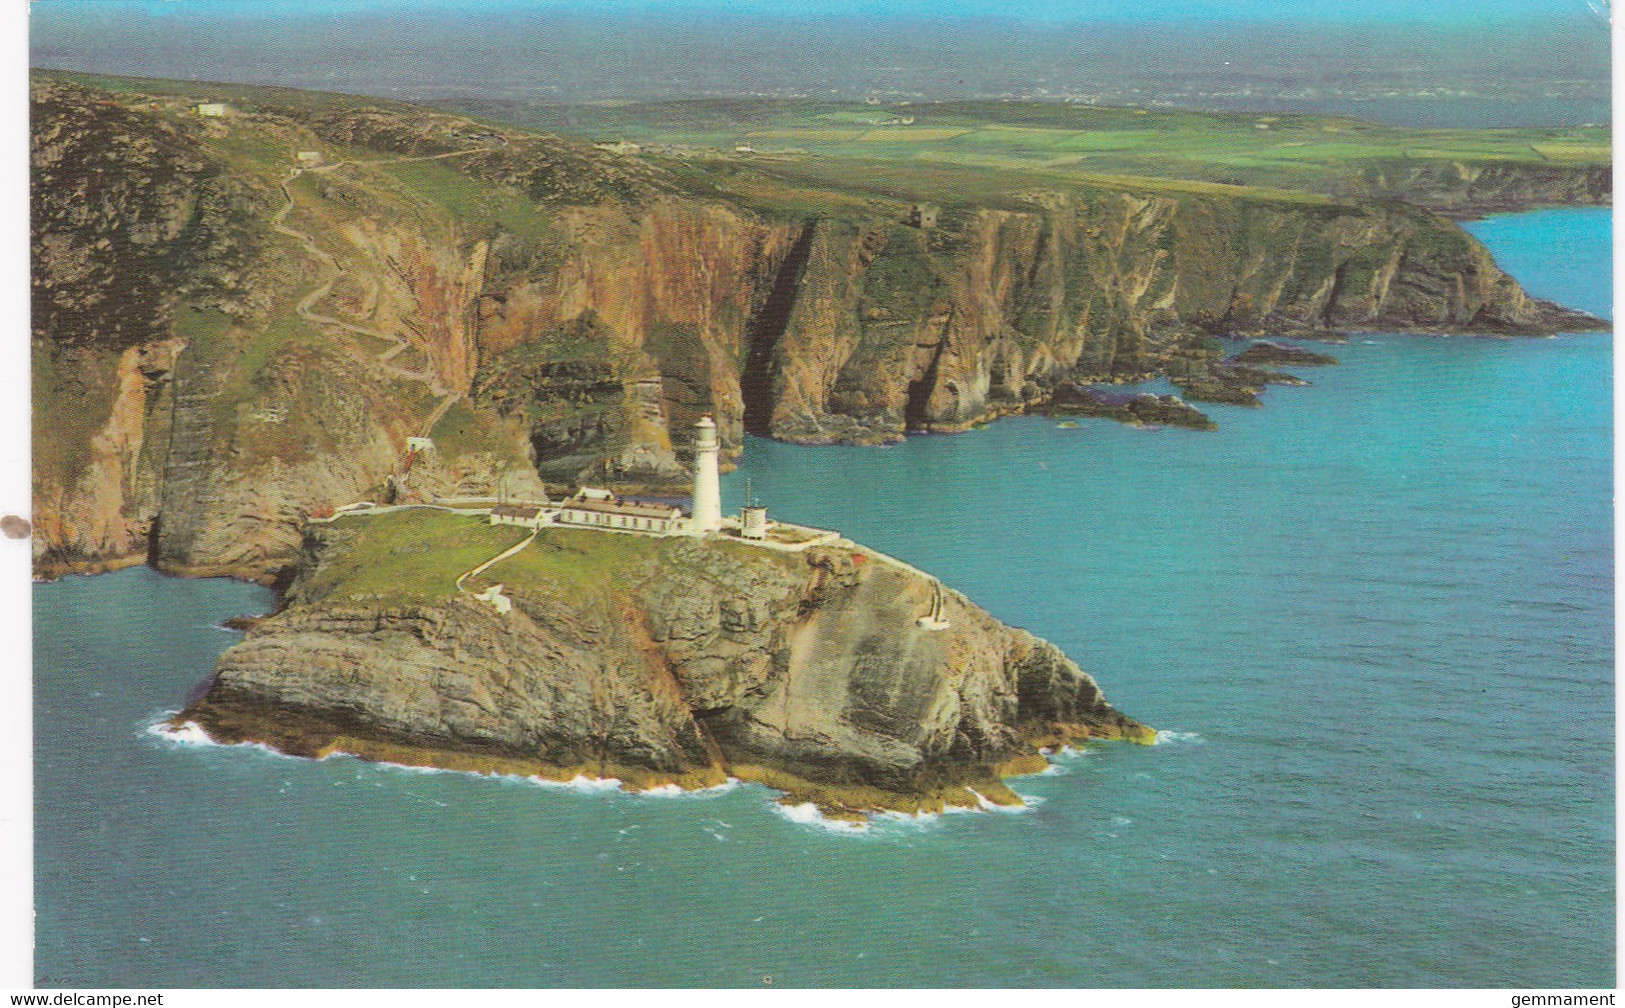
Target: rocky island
pixel 654 662
pixel 706 650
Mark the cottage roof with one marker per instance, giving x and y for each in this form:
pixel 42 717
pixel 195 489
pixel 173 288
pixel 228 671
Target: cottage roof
pixel 634 509
pixel 515 511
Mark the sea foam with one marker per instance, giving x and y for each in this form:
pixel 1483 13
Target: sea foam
pixel 993 806
pixel 674 791
pixel 186 733
pixel 190 733
pixel 580 782
pixel 1190 737
pixel 807 814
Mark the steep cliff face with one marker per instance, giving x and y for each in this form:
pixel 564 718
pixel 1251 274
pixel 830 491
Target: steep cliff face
pixel 99 502
pixel 1472 188
pixel 898 329
pixel 638 315
pixel 207 375
pixel 129 215
pixel 676 660
pixel 861 328
pixel 225 345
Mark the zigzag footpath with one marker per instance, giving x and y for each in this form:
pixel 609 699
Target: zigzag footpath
pixel 306 306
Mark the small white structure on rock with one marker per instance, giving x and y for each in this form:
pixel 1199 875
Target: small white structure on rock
pixel 707 481
pixel 309 157
pixel 422 445
pixel 213 110
pixel 936 620
pixel 752 518
pixel 494 596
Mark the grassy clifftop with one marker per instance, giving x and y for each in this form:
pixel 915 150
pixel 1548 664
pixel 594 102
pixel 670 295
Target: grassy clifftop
pixel 415 556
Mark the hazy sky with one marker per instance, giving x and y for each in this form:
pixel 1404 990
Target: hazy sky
pixel 49 12
pixel 1264 50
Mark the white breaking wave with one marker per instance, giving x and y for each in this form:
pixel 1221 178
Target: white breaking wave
pixel 920 818
pixel 190 733
pixel 186 733
pixel 1164 737
pixel 673 791
pixel 923 818
pixel 807 814
pixel 408 767
pixel 993 806
pixel 580 782
pixel 1062 757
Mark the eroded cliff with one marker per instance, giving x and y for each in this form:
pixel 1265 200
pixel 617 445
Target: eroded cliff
pixel 229 341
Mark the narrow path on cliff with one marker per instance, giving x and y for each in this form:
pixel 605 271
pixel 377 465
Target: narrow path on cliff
pixel 305 309
pixel 505 554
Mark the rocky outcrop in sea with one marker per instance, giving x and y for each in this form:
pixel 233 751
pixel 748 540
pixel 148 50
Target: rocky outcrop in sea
pixel 659 661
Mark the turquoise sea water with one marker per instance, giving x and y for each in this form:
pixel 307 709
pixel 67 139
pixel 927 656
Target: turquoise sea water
pixel 1374 619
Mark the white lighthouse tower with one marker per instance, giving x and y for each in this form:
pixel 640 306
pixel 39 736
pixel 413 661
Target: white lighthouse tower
pixel 707 484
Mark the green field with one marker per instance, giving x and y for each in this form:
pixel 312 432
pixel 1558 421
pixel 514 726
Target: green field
pixel 1262 156
pixel 579 561
pixel 403 557
pixel 415 555
pixel 805 157
pixel 467 199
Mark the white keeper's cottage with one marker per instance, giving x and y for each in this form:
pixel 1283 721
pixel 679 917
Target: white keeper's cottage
pixel 600 509
pixel 517 514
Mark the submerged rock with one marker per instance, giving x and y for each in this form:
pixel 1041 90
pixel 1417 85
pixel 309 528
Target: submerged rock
pixel 1268 352
pixel 1219 390
pixel 1255 377
pixel 1236 384
pixel 1141 409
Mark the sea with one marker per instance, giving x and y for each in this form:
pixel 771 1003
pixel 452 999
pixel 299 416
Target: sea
pixel 1372 622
